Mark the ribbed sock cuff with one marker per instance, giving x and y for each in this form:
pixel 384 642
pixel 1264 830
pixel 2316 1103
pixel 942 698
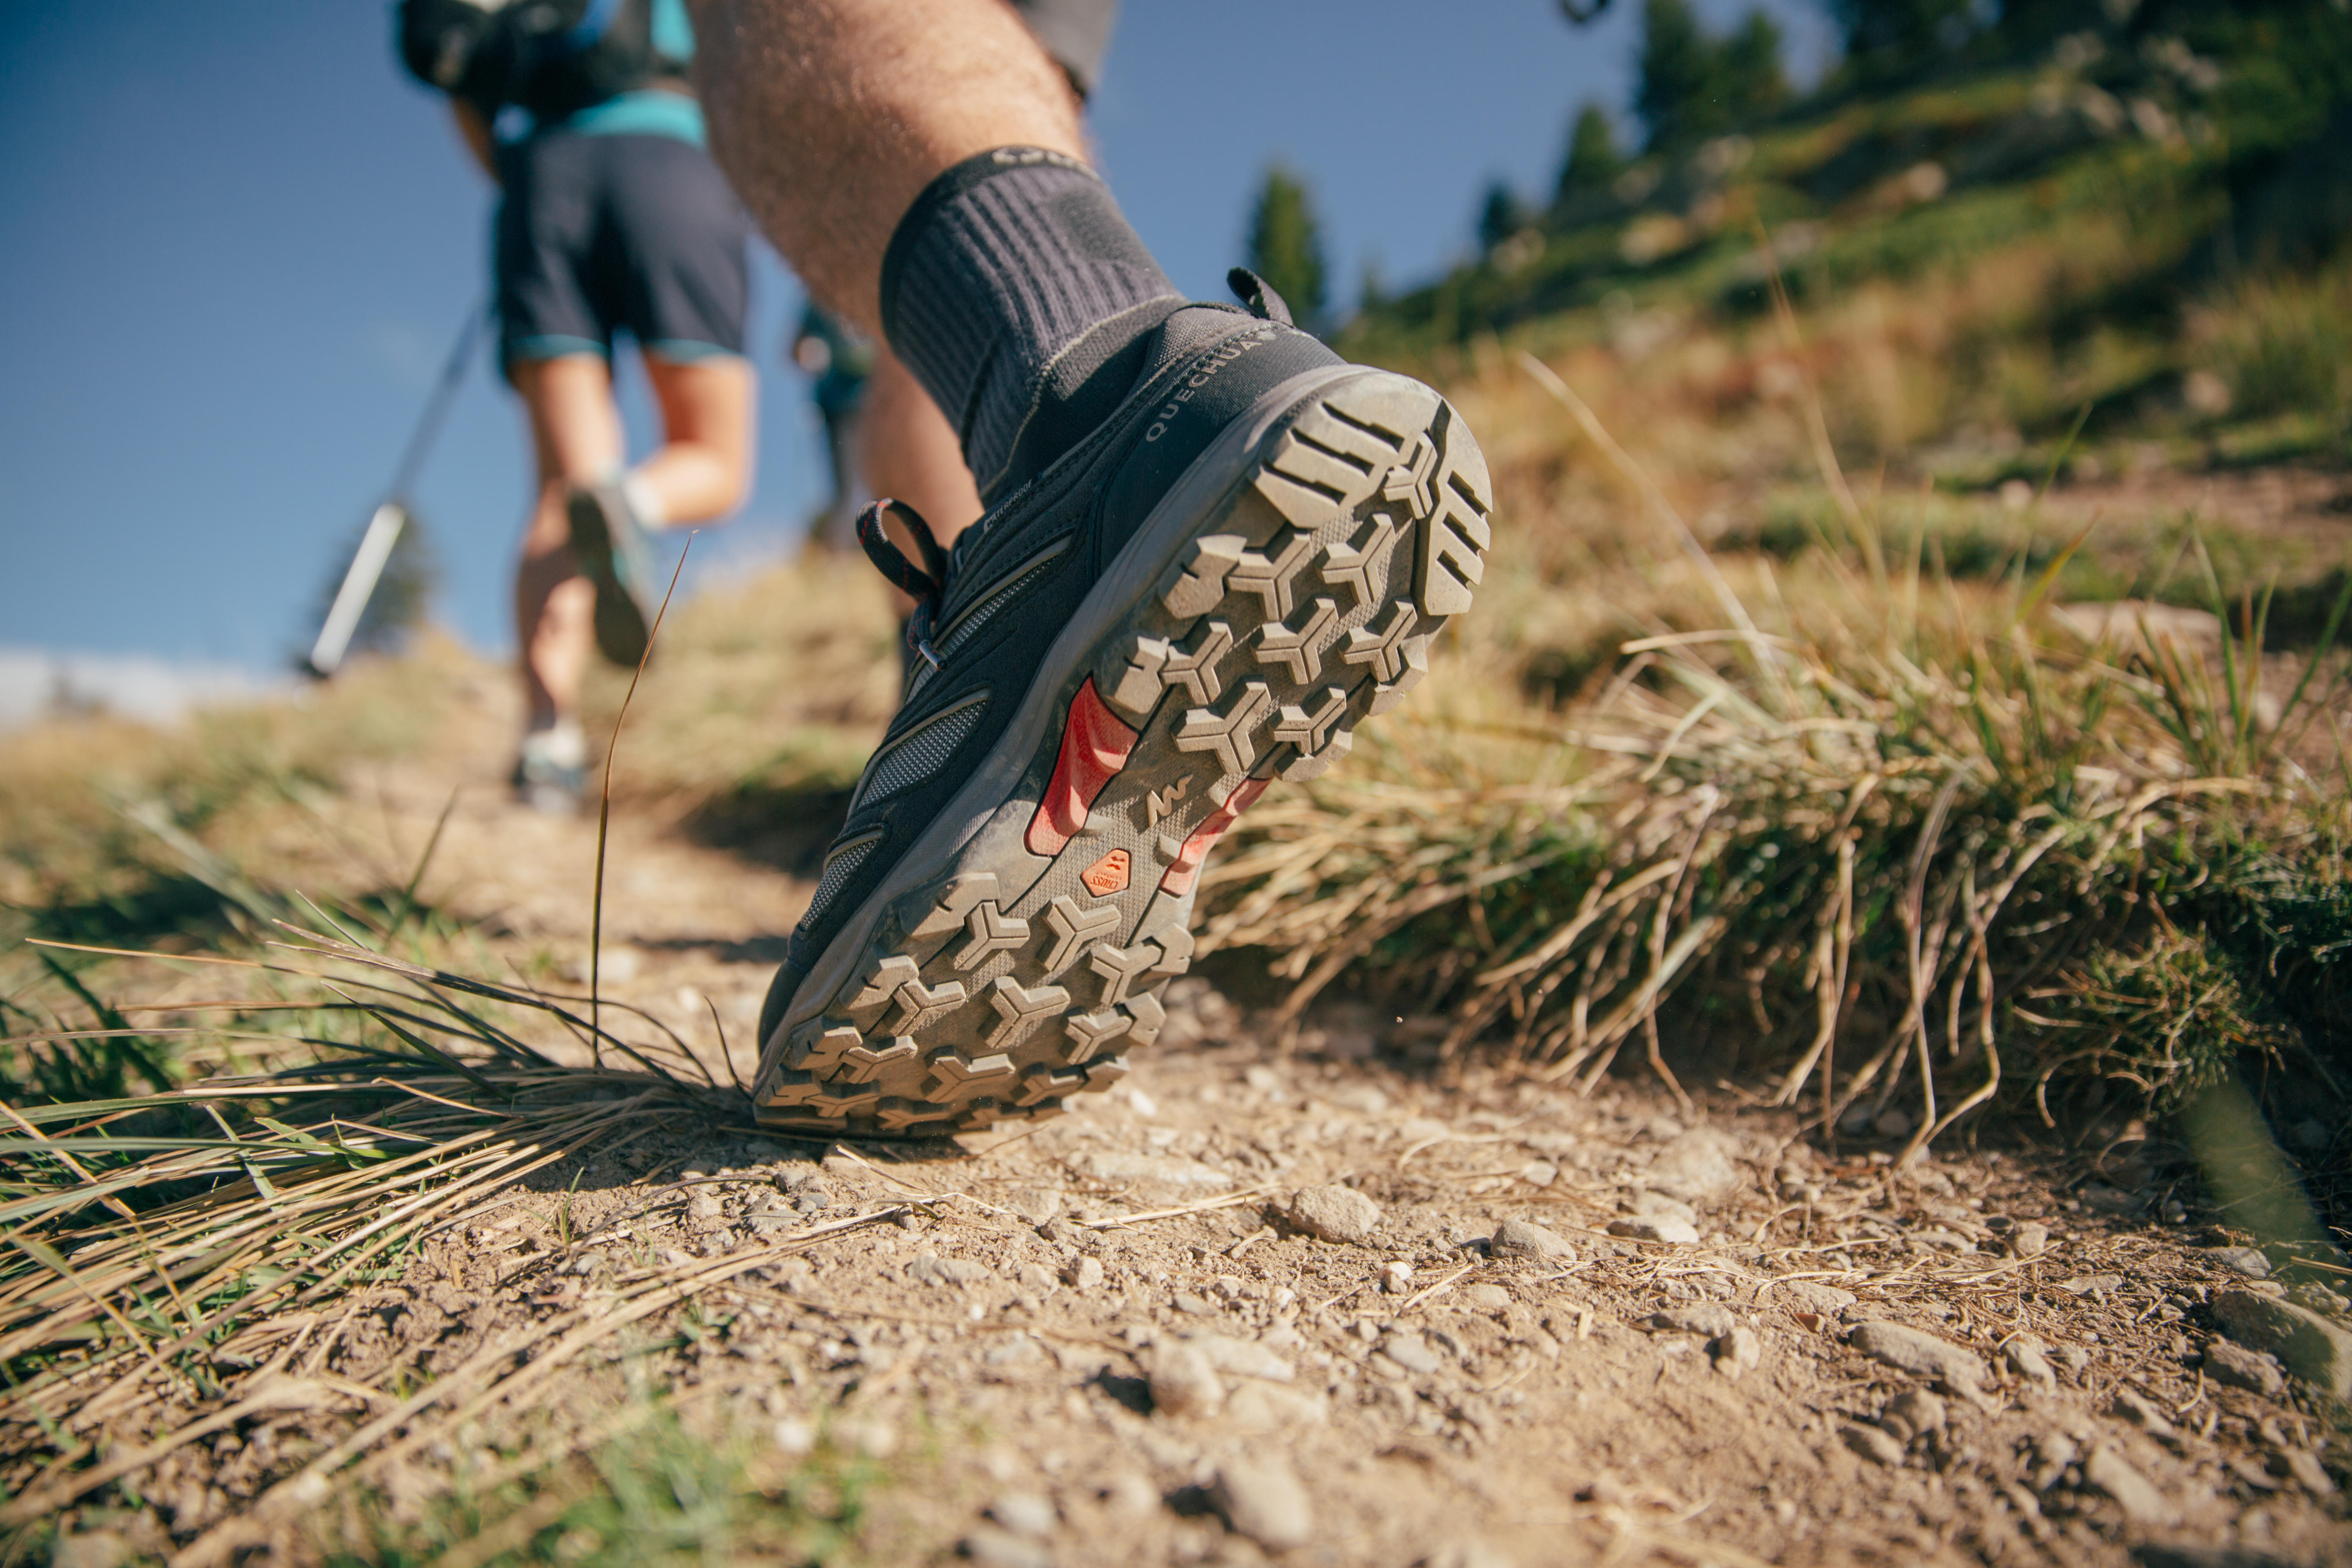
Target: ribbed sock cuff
pixel 1001 265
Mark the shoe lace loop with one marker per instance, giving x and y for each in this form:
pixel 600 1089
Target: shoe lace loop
pixel 927 584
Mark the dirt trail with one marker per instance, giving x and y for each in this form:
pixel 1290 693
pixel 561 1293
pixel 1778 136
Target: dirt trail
pixel 1502 1325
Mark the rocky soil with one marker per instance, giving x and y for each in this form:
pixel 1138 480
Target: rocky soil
pixel 1326 1305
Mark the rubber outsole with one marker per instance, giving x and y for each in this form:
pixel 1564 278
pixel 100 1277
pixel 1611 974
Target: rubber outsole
pixel 622 631
pixel 1002 968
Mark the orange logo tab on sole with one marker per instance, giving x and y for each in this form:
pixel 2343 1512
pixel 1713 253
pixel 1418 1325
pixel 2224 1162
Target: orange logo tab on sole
pixel 1107 874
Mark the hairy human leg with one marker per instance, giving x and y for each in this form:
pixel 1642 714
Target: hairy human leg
pixel 830 116
pixel 575 434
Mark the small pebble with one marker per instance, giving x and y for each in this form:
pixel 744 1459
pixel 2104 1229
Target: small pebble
pixel 2025 1358
pixel 2238 1367
pixel 1086 1274
pixel 1396 1278
pixel 1182 1381
pixel 1805 1296
pixel 1524 1241
pixel 1739 1352
pixel 1025 1513
pixel 1920 1353
pixel 1038 1205
pixel 2309 1473
pixel 1263 1500
pixel 1411 1352
pixel 2145 1506
pixel 1337 1214
pixel 1874 1444
pixel 1914 1412
pixel 1707 1318
pixel 994 1548
pixel 2028 1239
pixel 1678 1232
pixel 2056 1450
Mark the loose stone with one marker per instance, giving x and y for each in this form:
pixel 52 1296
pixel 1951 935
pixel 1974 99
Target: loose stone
pixel 2026 1359
pixel 1914 1412
pixel 1025 1513
pixel 1521 1240
pixel 1739 1352
pixel 1710 1318
pixel 1922 1354
pixel 1337 1214
pixel 1262 1500
pixel 1875 1444
pixel 2307 1344
pixel 1182 1381
pixel 2241 1368
pixel 2145 1506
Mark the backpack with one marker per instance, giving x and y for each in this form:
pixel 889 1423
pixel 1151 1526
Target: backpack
pixel 549 57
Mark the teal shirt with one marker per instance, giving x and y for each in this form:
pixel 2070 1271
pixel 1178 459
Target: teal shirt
pixel 648 112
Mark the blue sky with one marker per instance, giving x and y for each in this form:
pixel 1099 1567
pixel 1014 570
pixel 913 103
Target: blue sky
pixel 237 243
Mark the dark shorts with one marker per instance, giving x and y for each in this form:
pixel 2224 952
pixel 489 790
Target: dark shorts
pixel 600 234
pixel 1076 33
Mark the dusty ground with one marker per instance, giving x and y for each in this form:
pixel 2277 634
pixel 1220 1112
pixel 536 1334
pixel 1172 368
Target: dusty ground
pixel 1118 1337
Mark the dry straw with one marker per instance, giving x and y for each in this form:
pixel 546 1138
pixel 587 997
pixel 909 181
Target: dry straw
pixel 1859 824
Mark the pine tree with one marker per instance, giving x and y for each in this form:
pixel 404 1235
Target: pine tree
pixel 1675 76
pixel 1693 85
pixel 1500 215
pixel 1285 245
pixel 1593 160
pixel 1748 70
pixel 1890 35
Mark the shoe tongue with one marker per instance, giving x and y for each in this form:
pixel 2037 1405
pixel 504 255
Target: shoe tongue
pixel 1094 376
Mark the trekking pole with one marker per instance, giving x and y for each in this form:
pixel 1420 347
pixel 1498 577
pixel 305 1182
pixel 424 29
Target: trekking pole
pixel 392 514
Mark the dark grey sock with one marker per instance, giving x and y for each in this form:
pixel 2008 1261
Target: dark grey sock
pixel 1013 281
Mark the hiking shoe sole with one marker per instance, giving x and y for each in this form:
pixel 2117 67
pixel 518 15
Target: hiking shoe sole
pixel 1284 588
pixel 608 553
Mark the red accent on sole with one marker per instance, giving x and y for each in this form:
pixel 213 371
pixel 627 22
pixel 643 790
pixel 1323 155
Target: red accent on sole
pixel 1095 744
pixel 1187 869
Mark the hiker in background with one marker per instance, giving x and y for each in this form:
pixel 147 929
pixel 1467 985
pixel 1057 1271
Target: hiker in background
pixel 612 219
pixel 839 361
pixel 892 440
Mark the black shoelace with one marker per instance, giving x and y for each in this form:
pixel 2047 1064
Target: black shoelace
pixel 926 585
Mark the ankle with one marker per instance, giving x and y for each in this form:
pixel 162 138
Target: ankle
pixel 1080 389
pixel 1013 269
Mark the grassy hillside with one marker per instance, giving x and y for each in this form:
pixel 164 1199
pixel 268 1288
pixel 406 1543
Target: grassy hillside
pixel 1791 740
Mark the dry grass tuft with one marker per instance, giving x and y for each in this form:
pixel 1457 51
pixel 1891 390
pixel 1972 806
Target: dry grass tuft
pixel 1884 828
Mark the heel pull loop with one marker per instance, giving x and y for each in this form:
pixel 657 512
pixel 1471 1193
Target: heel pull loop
pixel 927 583
pixel 1258 294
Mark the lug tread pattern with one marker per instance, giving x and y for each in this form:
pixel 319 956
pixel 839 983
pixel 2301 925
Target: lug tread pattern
pixel 1307 602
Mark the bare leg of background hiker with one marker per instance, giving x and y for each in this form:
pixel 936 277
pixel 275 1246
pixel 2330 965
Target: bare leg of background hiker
pixel 700 472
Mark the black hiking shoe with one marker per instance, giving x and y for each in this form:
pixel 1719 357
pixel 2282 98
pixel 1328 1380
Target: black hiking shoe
pixel 1250 555
pixel 609 545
